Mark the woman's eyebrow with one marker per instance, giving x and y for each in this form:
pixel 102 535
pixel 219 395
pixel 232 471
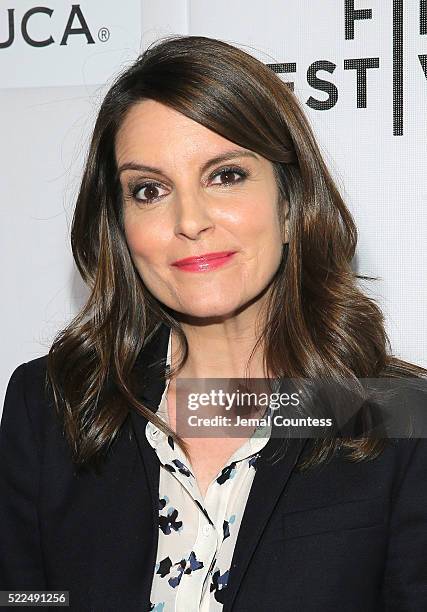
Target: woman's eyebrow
pixel 210 162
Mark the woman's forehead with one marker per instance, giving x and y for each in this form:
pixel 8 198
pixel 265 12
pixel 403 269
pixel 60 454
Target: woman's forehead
pixel 153 134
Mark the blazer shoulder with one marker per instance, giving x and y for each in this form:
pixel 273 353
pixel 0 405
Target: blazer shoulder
pixel 32 370
pixel 35 369
pixel 32 377
pixel 27 397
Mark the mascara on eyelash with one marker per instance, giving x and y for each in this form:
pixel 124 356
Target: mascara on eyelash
pixel 134 187
pixel 236 169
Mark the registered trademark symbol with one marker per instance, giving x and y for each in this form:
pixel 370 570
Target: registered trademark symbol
pixel 103 34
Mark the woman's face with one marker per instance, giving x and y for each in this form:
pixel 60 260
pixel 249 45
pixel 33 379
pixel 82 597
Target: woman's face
pixel 187 205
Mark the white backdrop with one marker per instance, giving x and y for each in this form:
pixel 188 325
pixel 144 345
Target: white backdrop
pixel 359 68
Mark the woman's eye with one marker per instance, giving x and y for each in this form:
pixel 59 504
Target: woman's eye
pixel 227 178
pixel 150 191
pixel 147 192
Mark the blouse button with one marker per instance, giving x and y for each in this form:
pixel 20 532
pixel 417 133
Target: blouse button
pixel 207 530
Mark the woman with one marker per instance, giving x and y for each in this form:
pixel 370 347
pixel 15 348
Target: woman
pixel 200 151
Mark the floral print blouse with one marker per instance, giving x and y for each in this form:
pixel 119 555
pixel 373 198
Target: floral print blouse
pixel 196 535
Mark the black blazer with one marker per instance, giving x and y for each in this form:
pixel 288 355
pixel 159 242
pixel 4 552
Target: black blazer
pixel 341 537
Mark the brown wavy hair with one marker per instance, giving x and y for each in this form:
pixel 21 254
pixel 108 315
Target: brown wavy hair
pixel 319 324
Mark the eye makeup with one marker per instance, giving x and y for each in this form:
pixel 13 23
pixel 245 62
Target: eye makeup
pixel 135 185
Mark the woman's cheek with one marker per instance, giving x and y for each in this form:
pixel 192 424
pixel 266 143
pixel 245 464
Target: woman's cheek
pixel 134 233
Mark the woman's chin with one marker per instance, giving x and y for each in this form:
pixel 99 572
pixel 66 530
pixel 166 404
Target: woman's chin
pixel 208 310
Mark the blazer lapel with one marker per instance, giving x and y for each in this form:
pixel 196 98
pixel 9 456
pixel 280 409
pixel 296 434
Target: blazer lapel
pixel 269 481
pixel 152 356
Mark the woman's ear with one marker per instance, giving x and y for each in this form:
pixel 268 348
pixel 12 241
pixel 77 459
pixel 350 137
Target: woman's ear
pixel 284 217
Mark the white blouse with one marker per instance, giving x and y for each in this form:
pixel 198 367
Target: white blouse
pixel 197 536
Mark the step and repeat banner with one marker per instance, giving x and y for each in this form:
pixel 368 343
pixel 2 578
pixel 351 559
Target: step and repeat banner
pixel 359 68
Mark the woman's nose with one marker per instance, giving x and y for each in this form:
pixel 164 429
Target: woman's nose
pixel 191 215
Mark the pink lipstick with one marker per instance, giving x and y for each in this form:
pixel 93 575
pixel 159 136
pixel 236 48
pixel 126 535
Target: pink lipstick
pixel 205 262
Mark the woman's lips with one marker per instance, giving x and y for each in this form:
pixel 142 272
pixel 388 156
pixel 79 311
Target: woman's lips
pixel 204 263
